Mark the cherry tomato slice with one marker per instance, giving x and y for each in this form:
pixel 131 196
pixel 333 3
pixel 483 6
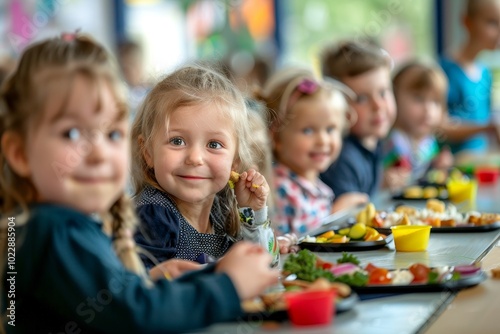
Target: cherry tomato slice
pixel 420 272
pixel 326 265
pixel 380 276
pixel 370 267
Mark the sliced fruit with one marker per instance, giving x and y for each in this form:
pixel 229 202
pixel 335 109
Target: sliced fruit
pixel 344 231
pixel 357 231
pixel 361 217
pixel 370 212
pixel 371 234
pixel 327 235
pixel 339 239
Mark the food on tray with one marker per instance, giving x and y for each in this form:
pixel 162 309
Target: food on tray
pixel 366 215
pixel 358 232
pixel 430 192
pixel 275 301
pixel 436 213
pixel 348 270
pixel 413 192
pixel 424 192
pixel 435 205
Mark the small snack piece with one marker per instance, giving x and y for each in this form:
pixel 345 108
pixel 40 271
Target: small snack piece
pixel 405 220
pixel 413 192
pixel 435 205
pixel 404 209
pixel 489 218
pixel 495 273
pixel 448 223
pixel 474 218
pixel 430 192
pixel 235 177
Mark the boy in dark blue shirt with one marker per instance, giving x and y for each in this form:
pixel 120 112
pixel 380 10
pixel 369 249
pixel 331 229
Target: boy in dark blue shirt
pixel 366 69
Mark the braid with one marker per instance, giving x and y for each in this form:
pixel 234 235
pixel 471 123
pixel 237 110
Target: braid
pixel 229 207
pixel 123 223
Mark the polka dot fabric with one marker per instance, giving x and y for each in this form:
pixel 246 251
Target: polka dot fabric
pixel 191 243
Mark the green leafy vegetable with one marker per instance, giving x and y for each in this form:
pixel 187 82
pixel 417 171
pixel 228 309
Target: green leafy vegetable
pixel 303 264
pixel 357 279
pixel 432 277
pixel 348 258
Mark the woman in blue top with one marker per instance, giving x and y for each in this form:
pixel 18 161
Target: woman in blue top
pixel 69 262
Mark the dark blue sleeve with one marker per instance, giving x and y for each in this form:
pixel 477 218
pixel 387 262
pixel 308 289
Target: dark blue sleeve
pixel 68 273
pixel 342 177
pixel 157 234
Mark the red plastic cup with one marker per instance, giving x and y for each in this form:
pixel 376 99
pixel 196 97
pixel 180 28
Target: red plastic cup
pixel 487 175
pixel 308 308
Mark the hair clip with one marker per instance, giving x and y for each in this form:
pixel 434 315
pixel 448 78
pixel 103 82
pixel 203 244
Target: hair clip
pixel 307 86
pixel 69 36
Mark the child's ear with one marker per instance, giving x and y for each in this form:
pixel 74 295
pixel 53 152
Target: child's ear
pixel 236 165
pixel 466 22
pixel 15 154
pixel 145 152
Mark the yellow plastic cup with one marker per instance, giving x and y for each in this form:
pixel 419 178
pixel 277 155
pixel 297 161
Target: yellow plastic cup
pixel 460 191
pixel 411 238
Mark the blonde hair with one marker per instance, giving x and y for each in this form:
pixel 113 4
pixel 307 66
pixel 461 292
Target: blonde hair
pixel 187 86
pixel 47 67
pixel 282 91
pixel 352 58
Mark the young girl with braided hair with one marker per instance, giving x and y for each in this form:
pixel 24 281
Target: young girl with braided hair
pixel 64 158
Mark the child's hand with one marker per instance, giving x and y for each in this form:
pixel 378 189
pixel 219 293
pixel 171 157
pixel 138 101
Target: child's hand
pixel 288 243
pixel 444 160
pixel 173 268
pixel 251 190
pixel 248 266
pixel 396 178
pixel 349 200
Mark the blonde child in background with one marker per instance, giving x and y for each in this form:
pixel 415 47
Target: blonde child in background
pixel 470 82
pixel 64 158
pixel 191 132
pixel 306 118
pixel 411 148
pixel 366 69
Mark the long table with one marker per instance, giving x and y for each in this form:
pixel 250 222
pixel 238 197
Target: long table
pixel 416 312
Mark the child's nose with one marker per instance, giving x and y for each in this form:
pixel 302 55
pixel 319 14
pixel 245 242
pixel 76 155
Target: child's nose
pixel 377 102
pixel 322 137
pixel 96 150
pixel 194 156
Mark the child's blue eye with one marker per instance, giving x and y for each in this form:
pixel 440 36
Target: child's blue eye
pixel 307 131
pixel 214 145
pixel 115 135
pixel 331 129
pixel 72 134
pixel 177 141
